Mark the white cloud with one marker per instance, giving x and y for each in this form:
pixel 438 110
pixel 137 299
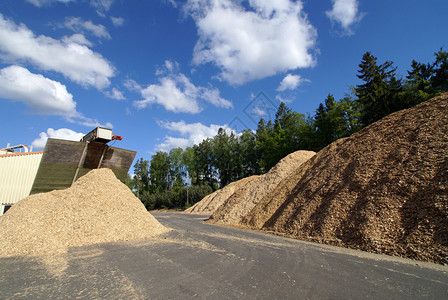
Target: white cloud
pixel 115 94
pixel 259 112
pixel 248 44
pixel 212 95
pixel 190 134
pixel 79 25
pixel 102 6
pixel 40 3
pixel 117 21
pixel 171 143
pixel 132 85
pixel 291 82
pixel 89 122
pixel 42 95
pixel 76 38
pixel 281 99
pixel 62 133
pixel 176 93
pixel 74 60
pixel 345 12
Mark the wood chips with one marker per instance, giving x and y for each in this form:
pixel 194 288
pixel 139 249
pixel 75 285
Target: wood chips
pixel 382 190
pixel 243 200
pixel 97 208
pixel 211 202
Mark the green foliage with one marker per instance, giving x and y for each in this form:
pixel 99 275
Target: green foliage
pixel 383 93
pixel 140 182
pixel 377 97
pixel 334 120
pixel 160 171
pixel 181 198
pixel 178 169
pixel 248 154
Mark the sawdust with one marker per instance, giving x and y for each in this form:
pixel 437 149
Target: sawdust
pixel 211 202
pixel 243 200
pixel 98 208
pixel 382 190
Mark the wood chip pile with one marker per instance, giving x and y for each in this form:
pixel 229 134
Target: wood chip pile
pixel 382 190
pixel 243 200
pixel 97 208
pixel 211 202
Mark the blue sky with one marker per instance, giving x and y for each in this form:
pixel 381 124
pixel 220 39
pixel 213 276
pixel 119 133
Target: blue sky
pixel 169 73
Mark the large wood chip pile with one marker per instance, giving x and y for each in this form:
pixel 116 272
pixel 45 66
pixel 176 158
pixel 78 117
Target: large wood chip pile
pixel 383 189
pixel 242 201
pixel 97 208
pixel 210 203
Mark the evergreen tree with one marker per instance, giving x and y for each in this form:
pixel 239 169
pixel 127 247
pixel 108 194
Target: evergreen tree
pixel 439 80
pixel 249 154
pixel 265 144
pixel 325 123
pixel 236 159
pixel 377 97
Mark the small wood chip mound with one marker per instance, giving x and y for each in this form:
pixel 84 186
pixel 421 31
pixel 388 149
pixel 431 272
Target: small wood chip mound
pixel 242 201
pixel 97 208
pixel 382 190
pixel 211 202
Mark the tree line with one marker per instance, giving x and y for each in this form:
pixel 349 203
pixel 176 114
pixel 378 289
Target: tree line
pixel 182 177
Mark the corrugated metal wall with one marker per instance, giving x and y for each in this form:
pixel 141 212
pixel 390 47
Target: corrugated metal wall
pixel 17 173
pixel 65 160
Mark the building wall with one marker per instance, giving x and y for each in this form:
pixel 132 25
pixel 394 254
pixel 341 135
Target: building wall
pixel 17 173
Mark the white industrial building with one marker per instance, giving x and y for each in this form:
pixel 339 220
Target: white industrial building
pixel 17 173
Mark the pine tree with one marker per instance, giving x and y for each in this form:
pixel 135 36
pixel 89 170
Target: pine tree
pixel 378 96
pixel 439 80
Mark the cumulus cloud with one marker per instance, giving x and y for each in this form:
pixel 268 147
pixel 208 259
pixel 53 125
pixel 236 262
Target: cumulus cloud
pixel 344 12
pixel 173 142
pixel 74 60
pixel 248 44
pixel 40 3
pixel 42 95
pixel 117 21
pixel 62 133
pixel 79 25
pixel 176 93
pixel 190 134
pixel 115 94
pixel 77 38
pixel 291 82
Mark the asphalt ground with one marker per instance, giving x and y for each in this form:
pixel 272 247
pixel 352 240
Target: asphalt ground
pixel 202 261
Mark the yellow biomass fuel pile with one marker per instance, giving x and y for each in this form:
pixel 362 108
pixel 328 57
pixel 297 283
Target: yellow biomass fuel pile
pixel 97 208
